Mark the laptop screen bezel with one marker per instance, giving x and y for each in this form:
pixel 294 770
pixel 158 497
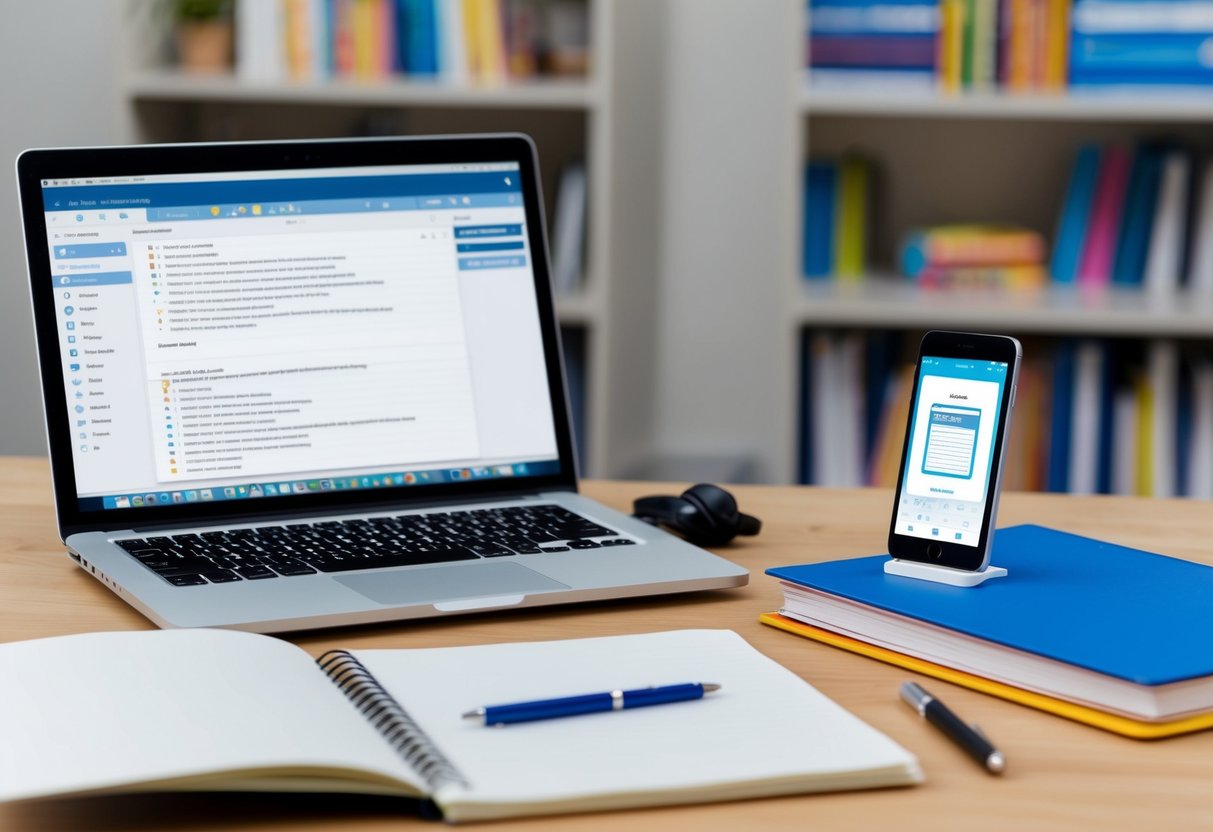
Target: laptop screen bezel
pixel 33 166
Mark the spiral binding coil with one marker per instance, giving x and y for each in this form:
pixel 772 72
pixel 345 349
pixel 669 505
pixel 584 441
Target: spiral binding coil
pixel 390 720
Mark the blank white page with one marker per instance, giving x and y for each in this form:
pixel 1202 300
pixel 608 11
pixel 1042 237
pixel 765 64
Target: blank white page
pixel 110 710
pixel 765 732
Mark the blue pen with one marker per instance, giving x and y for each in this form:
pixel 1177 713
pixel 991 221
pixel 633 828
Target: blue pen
pixel 589 703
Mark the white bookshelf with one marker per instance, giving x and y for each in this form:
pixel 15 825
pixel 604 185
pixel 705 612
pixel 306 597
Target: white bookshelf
pixel 1144 107
pixel 977 156
pixel 167 84
pixel 571 119
pixel 895 304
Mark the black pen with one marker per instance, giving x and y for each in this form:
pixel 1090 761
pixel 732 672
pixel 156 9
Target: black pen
pixel 966 736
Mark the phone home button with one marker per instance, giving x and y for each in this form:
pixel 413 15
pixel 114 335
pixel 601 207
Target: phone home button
pixel 934 551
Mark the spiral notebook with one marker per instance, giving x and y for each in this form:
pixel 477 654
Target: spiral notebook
pixel 223 710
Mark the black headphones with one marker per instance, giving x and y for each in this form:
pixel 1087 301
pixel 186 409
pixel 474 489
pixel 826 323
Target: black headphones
pixel 705 514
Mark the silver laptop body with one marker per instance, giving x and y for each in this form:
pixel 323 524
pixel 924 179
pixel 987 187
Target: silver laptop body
pixel 303 384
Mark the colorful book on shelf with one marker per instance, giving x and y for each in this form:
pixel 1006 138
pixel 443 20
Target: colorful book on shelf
pixel 1060 419
pixel 820 179
pixel 951 45
pixel 1138 216
pixel 1200 267
pixel 1055 629
pixel 1056 37
pixel 1165 253
pixel 1099 245
pixel 1075 213
pixel 1082 471
pixel 242 712
pixel 852 205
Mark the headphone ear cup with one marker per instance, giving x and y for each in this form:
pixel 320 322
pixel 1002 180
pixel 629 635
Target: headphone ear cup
pixel 705 514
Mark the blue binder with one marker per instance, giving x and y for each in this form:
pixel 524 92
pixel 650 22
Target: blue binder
pixel 1122 612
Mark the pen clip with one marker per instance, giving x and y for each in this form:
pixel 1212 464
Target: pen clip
pixel 977 730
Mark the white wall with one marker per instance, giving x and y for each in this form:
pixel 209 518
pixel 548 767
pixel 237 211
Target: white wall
pixel 59 70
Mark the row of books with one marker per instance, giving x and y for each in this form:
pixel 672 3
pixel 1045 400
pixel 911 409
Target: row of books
pixel 1137 218
pixel 837 208
pixel 459 41
pixel 975 256
pixel 1017 45
pixel 1092 416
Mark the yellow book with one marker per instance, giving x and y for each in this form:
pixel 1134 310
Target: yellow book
pixel 851 209
pixel 951 44
pixel 364 38
pixel 1057 44
pixel 1115 723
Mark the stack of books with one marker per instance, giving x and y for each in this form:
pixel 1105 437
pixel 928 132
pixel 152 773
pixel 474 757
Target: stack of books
pixel 948 256
pixel 460 41
pixel 838 197
pixel 879 43
pixel 1141 44
pixel 1105 635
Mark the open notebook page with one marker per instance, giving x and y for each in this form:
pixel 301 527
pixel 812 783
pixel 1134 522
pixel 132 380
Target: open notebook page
pixel 106 710
pixel 765 732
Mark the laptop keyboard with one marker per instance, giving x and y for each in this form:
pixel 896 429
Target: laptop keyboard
pixel 252 554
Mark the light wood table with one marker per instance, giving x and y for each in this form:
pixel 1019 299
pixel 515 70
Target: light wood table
pixel 1061 775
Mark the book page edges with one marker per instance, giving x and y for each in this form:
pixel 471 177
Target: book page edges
pixel 1089 716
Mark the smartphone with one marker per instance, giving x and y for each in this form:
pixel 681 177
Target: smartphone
pixel 952 461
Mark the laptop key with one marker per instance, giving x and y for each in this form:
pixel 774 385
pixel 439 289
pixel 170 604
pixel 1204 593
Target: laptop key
pixel 255 572
pixel 185 580
pixel 618 541
pixel 221 576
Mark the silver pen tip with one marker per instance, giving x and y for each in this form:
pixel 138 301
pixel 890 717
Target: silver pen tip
pixel 709 687
pixel 476 714
pixel 996 763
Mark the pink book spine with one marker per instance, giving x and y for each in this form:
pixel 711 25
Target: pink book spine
pixel 1099 249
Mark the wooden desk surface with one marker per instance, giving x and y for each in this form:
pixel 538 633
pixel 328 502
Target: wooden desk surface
pixel 1061 775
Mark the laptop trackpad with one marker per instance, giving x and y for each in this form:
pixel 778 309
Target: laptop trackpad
pixel 450 583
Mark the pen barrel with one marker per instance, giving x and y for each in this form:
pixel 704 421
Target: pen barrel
pixel 589 703
pixel 659 696
pixel 973 743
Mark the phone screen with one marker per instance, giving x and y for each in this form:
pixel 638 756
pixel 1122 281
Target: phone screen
pixel 949 465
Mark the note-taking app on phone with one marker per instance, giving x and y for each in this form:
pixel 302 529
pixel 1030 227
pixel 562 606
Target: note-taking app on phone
pixel 956 412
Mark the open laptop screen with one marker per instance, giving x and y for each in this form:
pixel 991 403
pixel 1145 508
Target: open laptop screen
pixel 251 334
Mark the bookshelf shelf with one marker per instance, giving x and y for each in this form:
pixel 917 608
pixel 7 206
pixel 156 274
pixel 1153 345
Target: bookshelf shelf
pixel 539 94
pixel 883 303
pixel 1144 107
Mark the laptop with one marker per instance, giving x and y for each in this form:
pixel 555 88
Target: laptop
pixel 303 384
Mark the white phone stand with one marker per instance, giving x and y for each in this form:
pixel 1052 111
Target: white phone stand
pixel 941 574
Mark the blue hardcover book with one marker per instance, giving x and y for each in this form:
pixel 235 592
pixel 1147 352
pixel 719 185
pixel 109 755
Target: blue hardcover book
pixel 1145 52
pixel 418 29
pixel 820 181
pixel 1123 613
pixel 1075 213
pixel 1059 418
pixel 1133 242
